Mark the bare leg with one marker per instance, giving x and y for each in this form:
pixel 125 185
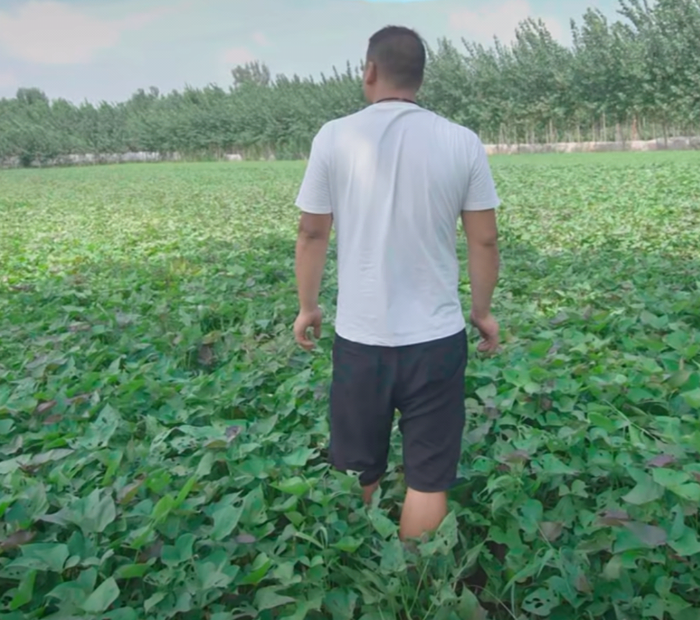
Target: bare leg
pixel 368 491
pixel 422 513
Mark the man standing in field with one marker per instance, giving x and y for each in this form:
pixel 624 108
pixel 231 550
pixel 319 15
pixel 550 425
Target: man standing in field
pixel 395 179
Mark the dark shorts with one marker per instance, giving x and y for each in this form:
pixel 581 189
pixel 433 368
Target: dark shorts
pixel 425 383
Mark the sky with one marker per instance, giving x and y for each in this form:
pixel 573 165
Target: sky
pixel 104 50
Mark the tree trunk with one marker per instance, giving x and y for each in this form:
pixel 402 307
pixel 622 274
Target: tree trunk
pixel 605 129
pixel 635 131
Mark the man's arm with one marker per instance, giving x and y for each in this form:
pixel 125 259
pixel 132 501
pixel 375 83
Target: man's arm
pixel 315 202
pixel 311 250
pixel 479 222
pixel 482 240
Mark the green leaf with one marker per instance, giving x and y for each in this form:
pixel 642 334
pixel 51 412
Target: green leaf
pixel 608 424
pixel 613 568
pixel 162 508
pixel 669 478
pixel 294 486
pixel 341 602
pixel 69 594
pixel 45 556
pixel 645 492
pixel 687 545
pixel 393 559
pixel 653 607
pixel 225 521
pixel 153 600
pixel 552 466
pixel 312 603
pixel 268 598
pixel 25 590
pixel 469 608
pixel 100 600
pixel 100 432
pixel 6 426
pixel 348 544
pixel 689 491
pixel 300 457
pixel 541 602
pixel 131 571
pixel 259 569
pixel 94 513
pixel 384 526
pixel 692 398
pixel 445 538
pixel 125 613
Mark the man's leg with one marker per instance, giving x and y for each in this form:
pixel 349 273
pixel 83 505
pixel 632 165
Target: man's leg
pixel 431 402
pixel 368 491
pixel 421 513
pixel 361 411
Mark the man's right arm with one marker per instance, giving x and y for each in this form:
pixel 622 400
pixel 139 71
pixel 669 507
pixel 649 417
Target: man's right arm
pixel 482 241
pixel 479 222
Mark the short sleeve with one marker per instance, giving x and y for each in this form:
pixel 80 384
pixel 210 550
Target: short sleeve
pixel 315 191
pixel 481 192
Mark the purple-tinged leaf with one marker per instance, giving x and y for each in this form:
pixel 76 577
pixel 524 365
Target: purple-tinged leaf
pixel 551 530
pixel 19 538
pixel 79 327
pixel 518 456
pixel 205 355
pixel 22 288
pixel 650 535
pixel 662 460
pixel 151 553
pixel 232 432
pixel 246 539
pixel 79 399
pixel 614 517
pixel 43 407
pixel 582 584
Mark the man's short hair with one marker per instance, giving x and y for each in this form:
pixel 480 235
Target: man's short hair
pixel 399 54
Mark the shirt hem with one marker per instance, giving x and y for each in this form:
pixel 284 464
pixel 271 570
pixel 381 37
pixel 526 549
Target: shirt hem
pixel 482 206
pixel 403 341
pixel 313 209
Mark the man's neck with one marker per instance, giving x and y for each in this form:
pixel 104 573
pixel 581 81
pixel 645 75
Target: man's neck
pixel 394 95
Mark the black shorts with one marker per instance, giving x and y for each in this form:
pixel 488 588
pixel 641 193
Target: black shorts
pixel 425 383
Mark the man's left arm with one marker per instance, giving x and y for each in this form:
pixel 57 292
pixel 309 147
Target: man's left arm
pixel 312 247
pixel 315 223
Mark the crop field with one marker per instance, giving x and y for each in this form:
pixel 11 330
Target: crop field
pixel 163 440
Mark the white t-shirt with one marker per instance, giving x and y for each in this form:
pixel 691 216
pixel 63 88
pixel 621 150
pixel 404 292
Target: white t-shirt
pixel 396 177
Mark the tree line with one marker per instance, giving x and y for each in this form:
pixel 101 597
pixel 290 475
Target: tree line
pixel 635 77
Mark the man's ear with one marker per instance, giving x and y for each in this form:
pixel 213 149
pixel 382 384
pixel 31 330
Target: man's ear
pixel 370 72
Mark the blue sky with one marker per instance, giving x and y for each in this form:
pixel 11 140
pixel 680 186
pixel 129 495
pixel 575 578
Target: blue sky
pixel 106 49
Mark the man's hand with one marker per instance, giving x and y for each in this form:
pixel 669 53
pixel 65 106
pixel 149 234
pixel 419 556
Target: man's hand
pixel 305 321
pixel 488 329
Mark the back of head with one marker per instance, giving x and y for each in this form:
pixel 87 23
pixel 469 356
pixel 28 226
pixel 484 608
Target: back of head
pixel 399 56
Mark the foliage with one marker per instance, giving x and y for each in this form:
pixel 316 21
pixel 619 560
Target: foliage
pixel 637 77
pixel 163 449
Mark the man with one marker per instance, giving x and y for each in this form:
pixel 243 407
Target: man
pixel 394 179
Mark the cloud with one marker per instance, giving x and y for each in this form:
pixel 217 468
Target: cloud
pixel 237 56
pixel 260 38
pixel 8 79
pixel 499 20
pixel 53 33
